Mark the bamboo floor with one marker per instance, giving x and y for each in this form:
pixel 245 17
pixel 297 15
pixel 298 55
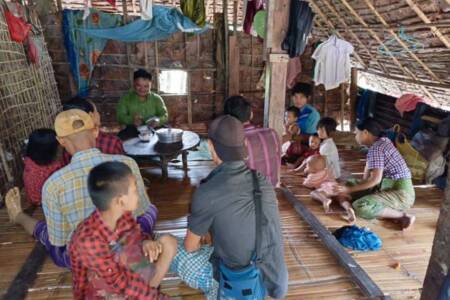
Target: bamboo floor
pixel 399 268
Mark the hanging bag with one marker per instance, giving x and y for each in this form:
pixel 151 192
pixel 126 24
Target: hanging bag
pixel 18 28
pixel 245 283
pixel 416 163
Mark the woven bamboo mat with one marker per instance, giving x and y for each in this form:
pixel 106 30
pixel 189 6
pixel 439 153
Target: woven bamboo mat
pixel 313 272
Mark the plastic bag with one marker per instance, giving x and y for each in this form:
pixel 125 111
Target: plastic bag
pixel 416 163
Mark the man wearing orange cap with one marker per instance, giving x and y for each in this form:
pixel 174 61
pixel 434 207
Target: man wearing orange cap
pixel 65 197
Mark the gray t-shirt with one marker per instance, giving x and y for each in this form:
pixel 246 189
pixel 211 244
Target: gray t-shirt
pixel 224 205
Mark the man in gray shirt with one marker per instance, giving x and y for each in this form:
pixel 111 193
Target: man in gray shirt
pixel 223 206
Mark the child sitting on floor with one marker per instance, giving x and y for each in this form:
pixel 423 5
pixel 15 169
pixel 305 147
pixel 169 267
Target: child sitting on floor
pixel 314 143
pixel 323 181
pixel 325 129
pixel 40 162
pixel 109 254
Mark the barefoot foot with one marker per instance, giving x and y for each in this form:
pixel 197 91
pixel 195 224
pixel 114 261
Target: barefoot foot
pixel 350 216
pixel 13 206
pixel 407 221
pixel 326 205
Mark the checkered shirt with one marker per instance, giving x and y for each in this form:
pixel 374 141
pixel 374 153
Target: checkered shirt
pixel 383 155
pixel 65 197
pixel 106 143
pixel 91 251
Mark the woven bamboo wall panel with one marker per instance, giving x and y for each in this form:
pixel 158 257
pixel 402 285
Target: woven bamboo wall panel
pixel 29 100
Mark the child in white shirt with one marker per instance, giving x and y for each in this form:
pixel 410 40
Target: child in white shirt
pixel 325 129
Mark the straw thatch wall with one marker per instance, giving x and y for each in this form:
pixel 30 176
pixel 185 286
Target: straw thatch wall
pixel 29 99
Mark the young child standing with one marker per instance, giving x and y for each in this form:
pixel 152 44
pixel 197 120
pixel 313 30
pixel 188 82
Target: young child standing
pixel 323 181
pixel 100 249
pixel 325 129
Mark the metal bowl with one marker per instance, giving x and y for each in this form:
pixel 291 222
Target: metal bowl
pixel 169 135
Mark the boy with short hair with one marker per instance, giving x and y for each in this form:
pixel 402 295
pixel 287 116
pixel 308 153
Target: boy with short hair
pixel 100 255
pixel 325 129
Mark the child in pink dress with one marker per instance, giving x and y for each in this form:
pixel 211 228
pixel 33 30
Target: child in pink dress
pixel 322 180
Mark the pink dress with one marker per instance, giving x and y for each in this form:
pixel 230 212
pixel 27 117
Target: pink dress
pixel 322 181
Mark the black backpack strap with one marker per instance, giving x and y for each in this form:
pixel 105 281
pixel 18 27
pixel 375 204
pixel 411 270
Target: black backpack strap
pixel 257 198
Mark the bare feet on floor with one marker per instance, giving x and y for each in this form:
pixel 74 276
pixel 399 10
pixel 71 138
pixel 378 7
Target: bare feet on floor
pixel 349 216
pixel 13 205
pixel 326 202
pixel 407 221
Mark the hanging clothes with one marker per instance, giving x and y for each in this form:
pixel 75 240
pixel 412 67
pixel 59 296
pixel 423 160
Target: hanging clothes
pixel 407 102
pixel 165 22
pixel 333 63
pixel 194 10
pixel 366 105
pixel 301 19
pixel 146 9
pixel 251 8
pixel 18 28
pixel 293 69
pixel 83 50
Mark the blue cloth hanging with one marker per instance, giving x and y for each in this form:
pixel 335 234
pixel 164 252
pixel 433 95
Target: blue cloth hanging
pixel 85 39
pixel 164 23
pixel 356 238
pixel 83 50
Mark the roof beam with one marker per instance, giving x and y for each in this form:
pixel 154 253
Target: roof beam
pixel 425 19
pixel 377 38
pixel 332 27
pixel 401 42
pixel 345 26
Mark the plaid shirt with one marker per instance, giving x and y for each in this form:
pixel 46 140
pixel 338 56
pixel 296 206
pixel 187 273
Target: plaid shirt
pixel 91 250
pixel 264 152
pixel 106 143
pixel 383 155
pixel 34 177
pixel 65 197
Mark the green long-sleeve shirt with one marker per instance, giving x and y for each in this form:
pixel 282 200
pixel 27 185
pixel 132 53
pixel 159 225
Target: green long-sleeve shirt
pixel 130 105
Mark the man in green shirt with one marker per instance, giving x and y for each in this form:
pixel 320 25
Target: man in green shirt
pixel 140 104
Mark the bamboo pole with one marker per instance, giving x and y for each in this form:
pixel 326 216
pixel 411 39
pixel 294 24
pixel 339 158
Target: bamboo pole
pixel 413 81
pixel 426 20
pixel 343 101
pixel 400 41
pixel 353 97
pixel 441 24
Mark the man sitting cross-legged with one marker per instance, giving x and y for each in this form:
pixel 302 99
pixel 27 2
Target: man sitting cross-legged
pixel 65 197
pixel 109 254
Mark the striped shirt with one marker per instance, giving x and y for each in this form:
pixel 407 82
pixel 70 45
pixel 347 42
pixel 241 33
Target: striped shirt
pixel 264 152
pixel 65 196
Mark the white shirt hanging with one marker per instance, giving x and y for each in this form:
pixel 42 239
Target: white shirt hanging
pixel 333 64
pixel 146 9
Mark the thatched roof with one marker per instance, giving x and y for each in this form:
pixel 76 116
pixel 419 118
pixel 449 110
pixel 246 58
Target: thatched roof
pixel 389 63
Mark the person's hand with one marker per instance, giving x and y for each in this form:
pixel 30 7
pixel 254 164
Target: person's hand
pixel 206 240
pixel 153 123
pixel 152 249
pixel 341 189
pixel 137 120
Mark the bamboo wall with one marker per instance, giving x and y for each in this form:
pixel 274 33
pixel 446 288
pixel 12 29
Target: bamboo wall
pixel 29 100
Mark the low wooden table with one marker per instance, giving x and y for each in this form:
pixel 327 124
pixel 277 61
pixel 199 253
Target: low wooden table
pixel 165 152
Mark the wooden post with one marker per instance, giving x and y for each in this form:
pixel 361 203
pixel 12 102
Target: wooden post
pixel 353 97
pixel 275 91
pixel 189 100
pixel 325 103
pixel 156 67
pixel 227 58
pixel 233 69
pixel 343 101
pixel 439 264
pixel 125 21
